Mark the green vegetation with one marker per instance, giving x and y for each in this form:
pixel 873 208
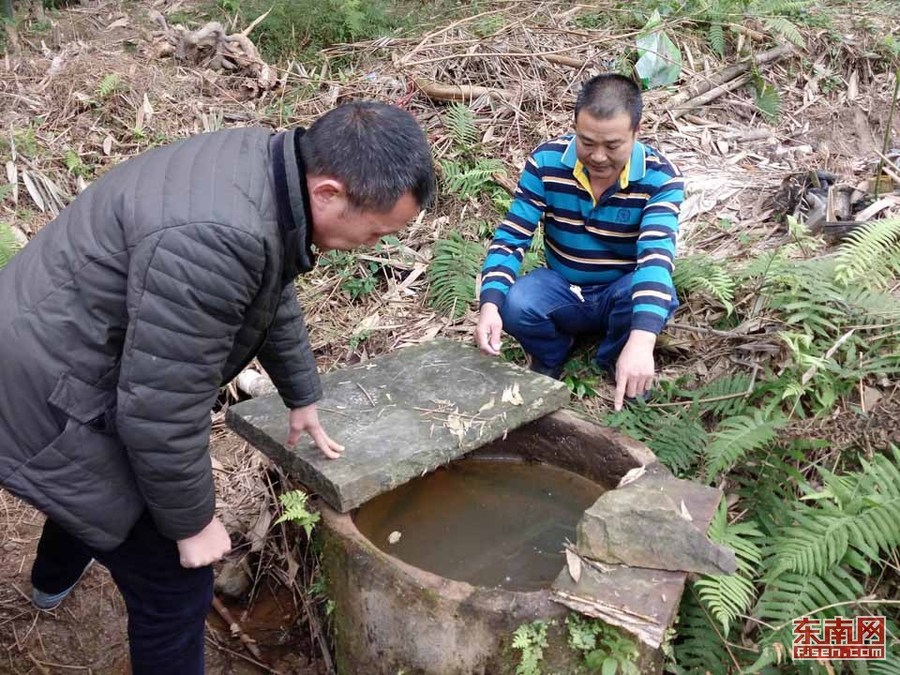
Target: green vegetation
pixel 296 511
pixel 8 244
pixel 297 27
pixel 605 649
pixel 531 640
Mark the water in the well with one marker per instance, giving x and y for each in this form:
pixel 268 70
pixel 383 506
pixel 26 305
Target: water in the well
pixel 496 523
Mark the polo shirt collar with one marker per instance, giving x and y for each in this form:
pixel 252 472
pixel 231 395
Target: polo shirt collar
pixel 635 169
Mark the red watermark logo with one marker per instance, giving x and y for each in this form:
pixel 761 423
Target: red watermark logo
pixel 859 639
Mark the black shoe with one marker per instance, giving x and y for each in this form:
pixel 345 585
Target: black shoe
pixel 537 367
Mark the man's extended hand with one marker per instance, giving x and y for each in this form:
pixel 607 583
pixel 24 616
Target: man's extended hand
pixel 635 368
pixel 307 419
pixel 487 332
pixel 205 547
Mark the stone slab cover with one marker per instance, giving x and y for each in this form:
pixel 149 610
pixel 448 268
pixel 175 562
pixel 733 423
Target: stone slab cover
pixel 400 416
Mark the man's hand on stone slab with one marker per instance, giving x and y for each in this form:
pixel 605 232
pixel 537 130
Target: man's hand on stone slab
pixel 306 419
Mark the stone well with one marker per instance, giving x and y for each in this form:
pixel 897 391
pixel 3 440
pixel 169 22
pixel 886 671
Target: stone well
pixel 420 408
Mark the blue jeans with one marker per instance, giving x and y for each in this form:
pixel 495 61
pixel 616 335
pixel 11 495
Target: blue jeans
pixel 167 603
pixel 545 314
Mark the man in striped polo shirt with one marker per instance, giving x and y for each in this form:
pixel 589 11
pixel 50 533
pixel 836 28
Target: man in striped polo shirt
pixel 609 205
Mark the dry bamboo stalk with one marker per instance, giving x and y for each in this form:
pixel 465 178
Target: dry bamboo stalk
pixel 459 92
pixel 710 95
pixel 727 74
pixel 561 60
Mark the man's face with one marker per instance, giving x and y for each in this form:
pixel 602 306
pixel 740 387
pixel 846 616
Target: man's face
pixel 604 146
pixel 338 225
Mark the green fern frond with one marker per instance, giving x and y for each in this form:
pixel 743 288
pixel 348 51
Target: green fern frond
pixel 859 510
pixel 780 26
pixel 768 100
pixel 737 436
pixel 729 596
pixel 452 274
pixel 717 38
pixel 791 595
pixel 723 396
pixel 700 646
pixel 469 180
pixel 460 123
pixel 871 252
pixel 740 537
pixel 696 274
pixel 890 666
pixel 677 438
pixel 109 84
pixel 295 510
pixel 868 306
pixel 9 246
pixel 534 256
pixel 678 441
pixel 771 7
pixel 815 543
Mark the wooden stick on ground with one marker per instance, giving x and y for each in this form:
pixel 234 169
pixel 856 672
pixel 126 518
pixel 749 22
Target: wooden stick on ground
pixel 710 95
pixel 727 74
pixel 562 60
pixel 236 630
pixel 459 92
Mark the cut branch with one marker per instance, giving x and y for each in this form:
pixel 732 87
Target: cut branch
pixel 561 60
pixel 730 73
pixel 460 92
pixel 710 95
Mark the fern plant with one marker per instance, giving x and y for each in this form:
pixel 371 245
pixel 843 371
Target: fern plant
pixel 701 646
pixel 460 124
pixel 727 596
pixel 701 274
pixel 676 436
pixel 469 179
pixel 452 273
pixel 856 518
pixel 720 15
pixel 737 436
pixel 605 649
pixel 110 83
pixel 465 173
pixel 296 511
pixel 531 640
pixel 871 253
pixel 853 522
pixel 9 246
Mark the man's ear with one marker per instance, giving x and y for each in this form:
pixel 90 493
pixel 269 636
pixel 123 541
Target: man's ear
pixel 637 130
pixel 323 191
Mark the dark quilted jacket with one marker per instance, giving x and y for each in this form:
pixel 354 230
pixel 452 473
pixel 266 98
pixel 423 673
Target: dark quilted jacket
pixel 121 319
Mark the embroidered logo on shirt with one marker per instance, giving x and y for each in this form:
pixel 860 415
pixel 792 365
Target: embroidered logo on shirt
pixel 623 216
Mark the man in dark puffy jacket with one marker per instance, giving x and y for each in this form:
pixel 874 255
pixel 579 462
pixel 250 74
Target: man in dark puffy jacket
pixel 122 318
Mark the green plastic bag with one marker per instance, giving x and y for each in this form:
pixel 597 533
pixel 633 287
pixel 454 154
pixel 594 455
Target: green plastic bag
pixel 660 59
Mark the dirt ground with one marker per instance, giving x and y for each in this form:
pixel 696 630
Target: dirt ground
pixel 87 633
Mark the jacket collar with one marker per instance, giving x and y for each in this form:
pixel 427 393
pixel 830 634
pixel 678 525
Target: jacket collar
pixel 292 199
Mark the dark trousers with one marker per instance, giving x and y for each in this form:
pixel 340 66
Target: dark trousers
pixel 545 314
pixel 167 604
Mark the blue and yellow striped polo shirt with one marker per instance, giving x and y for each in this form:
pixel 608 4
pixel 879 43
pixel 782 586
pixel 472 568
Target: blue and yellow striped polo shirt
pixel 594 241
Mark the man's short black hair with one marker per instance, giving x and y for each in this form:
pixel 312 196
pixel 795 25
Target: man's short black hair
pixel 378 151
pixel 608 95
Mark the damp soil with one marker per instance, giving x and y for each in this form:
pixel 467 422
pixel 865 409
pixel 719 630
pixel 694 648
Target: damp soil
pixel 499 523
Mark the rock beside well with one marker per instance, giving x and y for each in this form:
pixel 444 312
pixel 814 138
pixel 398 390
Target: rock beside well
pixel 648 524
